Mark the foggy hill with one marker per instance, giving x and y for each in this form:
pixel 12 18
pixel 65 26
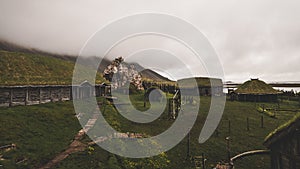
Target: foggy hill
pixel 21 65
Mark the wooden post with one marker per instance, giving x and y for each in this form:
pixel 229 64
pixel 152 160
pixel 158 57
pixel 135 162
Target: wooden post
pixel 173 109
pixel 11 97
pixel 50 91
pixel 262 121
pixel 144 98
pixel 177 105
pixel 228 148
pixel 299 98
pixel 71 92
pixel 40 95
pixel 61 95
pixel 203 161
pixel 104 105
pixel 26 96
pixel 170 108
pixel 248 128
pixel 229 127
pixel 188 146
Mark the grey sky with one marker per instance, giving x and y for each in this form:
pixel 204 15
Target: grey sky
pixel 257 38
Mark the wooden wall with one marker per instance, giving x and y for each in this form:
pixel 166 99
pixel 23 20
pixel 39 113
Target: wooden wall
pixel 257 98
pixel 285 154
pixel 203 91
pixel 29 95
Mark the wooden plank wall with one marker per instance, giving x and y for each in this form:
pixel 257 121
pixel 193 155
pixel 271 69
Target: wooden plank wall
pixel 30 95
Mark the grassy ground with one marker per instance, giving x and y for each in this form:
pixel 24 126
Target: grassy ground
pixel 214 149
pixel 17 68
pixel 42 131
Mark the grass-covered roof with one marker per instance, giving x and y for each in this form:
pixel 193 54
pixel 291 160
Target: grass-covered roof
pixel 201 82
pixel 255 86
pixel 18 68
pixel 283 130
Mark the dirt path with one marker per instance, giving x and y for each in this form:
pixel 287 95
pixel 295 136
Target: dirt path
pixel 74 147
pixel 77 145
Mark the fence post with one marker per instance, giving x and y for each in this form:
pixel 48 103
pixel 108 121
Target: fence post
pixel 229 126
pixel 203 161
pixel 11 97
pixel 188 145
pixel 71 92
pixel 170 108
pixel 144 98
pixel 262 121
pixel 40 95
pixel 248 128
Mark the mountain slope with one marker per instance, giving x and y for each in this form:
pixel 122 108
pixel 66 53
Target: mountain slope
pixel 148 74
pixel 6 46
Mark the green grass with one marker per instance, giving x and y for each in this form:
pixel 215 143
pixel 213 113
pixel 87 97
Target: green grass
pixel 215 148
pixel 40 132
pixel 18 68
pixel 42 123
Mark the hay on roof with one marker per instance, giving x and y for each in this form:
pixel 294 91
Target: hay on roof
pixel 255 86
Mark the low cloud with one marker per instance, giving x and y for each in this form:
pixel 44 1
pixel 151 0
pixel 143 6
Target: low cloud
pixel 253 38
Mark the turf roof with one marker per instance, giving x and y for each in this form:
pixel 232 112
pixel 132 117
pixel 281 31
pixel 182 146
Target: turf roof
pixel 255 86
pixel 201 82
pixel 283 130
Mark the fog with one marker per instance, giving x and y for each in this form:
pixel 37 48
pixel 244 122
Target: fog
pixel 253 39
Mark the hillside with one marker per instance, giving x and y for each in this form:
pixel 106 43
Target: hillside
pixel 25 66
pixel 148 74
pixel 6 46
pixel 20 68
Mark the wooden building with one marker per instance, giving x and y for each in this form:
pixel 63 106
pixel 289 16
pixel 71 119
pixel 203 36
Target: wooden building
pixel 37 94
pixel 284 145
pixel 206 86
pixel 168 87
pixel 255 90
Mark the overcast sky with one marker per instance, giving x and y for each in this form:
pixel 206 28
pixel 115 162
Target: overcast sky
pixel 255 38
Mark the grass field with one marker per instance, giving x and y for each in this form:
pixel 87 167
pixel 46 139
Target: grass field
pixel 42 131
